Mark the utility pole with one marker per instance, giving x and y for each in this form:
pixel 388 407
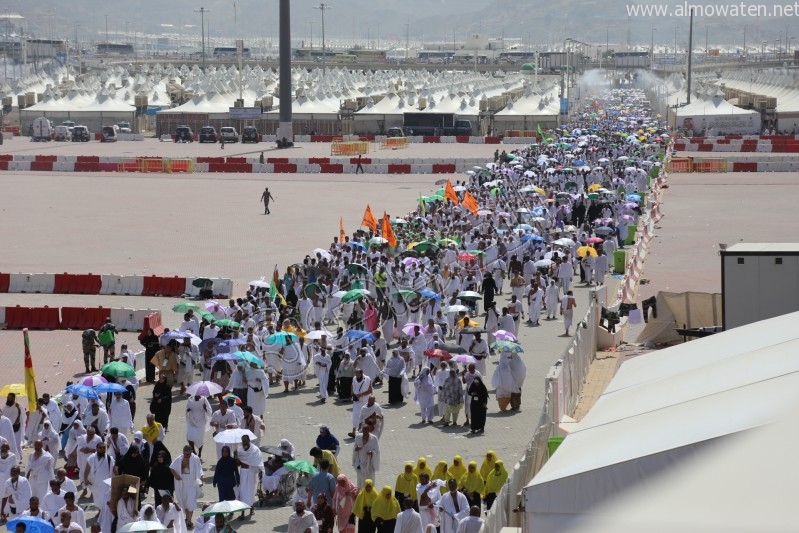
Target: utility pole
pixel 106 35
pixel 323 7
pixel 407 40
pixel 285 128
pixel 744 40
pixel 202 11
pixel 690 52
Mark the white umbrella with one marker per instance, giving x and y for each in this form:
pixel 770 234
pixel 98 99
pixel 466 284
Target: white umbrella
pixel 324 253
pixel 259 283
pixel 455 308
pixel 232 436
pixel 142 525
pixel 226 507
pixel 316 335
pixel 203 388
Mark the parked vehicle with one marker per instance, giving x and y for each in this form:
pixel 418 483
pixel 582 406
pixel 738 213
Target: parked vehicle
pixel 184 134
pixel 249 135
pixel 229 134
pixel 396 131
pixel 124 127
pixel 63 133
pixel 110 134
pixel 208 134
pixel 436 124
pixel 81 133
pixel 42 129
pixel 68 123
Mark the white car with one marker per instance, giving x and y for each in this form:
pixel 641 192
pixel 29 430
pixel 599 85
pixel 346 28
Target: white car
pixel 229 134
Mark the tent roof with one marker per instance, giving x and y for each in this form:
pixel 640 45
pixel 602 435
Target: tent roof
pixel 665 405
pixel 747 484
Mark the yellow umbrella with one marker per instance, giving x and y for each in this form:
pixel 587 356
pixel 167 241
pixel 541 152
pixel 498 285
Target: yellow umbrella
pixel 411 245
pixel 16 388
pixel 540 191
pixel 583 251
pixel 594 187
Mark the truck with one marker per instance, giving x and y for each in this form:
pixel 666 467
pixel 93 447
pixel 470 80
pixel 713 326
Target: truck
pixel 435 124
pixel 41 129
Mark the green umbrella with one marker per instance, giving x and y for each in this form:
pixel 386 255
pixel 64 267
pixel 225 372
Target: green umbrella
pixel 446 242
pixel 399 221
pixel 227 507
pixel 355 268
pixel 354 295
pixel 201 282
pixel 207 315
pixel 312 288
pixel 282 337
pixel 424 246
pixel 477 252
pixel 495 191
pixel 300 466
pixel 118 369
pixel 185 307
pixel 404 293
pixel 593 195
pixel 441 192
pixel 226 322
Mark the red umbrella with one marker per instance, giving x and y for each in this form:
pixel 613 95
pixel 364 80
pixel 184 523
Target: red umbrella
pixel 438 354
pixel 465 256
pixel 592 240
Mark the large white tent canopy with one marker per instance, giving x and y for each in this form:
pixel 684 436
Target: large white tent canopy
pixel 663 408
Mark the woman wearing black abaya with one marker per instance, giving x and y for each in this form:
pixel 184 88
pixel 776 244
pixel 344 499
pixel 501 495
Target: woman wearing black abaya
pixel 151 347
pixel 479 406
pixel 161 404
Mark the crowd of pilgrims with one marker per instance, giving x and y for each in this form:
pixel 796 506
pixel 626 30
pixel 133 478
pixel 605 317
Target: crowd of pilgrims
pixel 374 308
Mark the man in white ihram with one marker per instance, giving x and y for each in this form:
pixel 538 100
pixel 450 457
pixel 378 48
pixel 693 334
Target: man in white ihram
pixel 472 523
pixel 366 456
pixel 99 467
pixel 251 470
pixel 454 507
pixel 198 416
pixel 302 521
pixel 40 470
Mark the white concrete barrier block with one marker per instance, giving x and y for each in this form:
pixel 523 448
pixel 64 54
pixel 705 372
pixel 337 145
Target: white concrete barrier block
pixel 19 165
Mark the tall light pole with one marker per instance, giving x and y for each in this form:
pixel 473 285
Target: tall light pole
pixel 202 11
pixel 744 40
pixel 407 39
pixel 106 35
pixel 323 7
pixel 652 49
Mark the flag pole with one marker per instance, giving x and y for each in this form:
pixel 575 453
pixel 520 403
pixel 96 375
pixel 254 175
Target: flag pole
pixel 30 373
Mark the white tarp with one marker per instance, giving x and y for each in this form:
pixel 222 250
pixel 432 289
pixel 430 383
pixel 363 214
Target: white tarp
pixel 662 408
pixel 677 310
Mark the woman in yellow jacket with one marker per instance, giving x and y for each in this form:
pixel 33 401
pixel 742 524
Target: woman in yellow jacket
pixel 488 463
pixel 472 484
pixel 385 510
pixel 442 472
pixel 422 467
pixel 495 480
pixel 363 506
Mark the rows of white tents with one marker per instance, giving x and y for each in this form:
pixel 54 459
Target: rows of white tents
pixel 683 439
pixel 196 97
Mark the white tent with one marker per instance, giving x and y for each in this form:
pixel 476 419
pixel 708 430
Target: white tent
pixel 712 111
pixel 663 408
pixel 677 310
pixel 747 484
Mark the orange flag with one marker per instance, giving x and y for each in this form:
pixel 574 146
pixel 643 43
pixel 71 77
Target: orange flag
pixel 470 203
pixel 341 232
pixel 449 192
pixel 388 232
pixel 369 219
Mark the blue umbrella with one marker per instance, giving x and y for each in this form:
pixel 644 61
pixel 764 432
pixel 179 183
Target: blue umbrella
pixel 359 335
pixel 537 238
pixel 579 163
pixel 173 335
pixel 33 524
pixel 226 357
pixel 357 244
pixel 208 342
pixel 231 343
pixel 110 387
pixel 633 197
pixel 427 293
pixel 83 391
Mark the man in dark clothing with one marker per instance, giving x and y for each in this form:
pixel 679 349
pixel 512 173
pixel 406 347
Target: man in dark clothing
pixel 359 167
pixel 265 198
pixel 489 289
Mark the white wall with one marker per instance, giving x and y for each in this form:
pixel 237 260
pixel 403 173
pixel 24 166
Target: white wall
pixel 758 288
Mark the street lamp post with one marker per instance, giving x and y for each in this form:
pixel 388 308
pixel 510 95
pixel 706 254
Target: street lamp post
pixel 202 11
pixel 323 7
pixel 106 35
pixel 652 49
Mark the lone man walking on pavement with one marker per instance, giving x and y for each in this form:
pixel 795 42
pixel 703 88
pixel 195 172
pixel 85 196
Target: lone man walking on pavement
pixel 359 167
pixel 265 197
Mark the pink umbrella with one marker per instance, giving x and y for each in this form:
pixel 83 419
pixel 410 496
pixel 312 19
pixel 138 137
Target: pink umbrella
pixel 465 256
pixel 594 240
pixel 503 335
pixel 93 381
pixel 407 329
pixel 627 218
pixel 464 358
pixel 408 261
pixel 212 307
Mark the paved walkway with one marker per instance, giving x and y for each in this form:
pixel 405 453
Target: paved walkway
pixel 212 224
